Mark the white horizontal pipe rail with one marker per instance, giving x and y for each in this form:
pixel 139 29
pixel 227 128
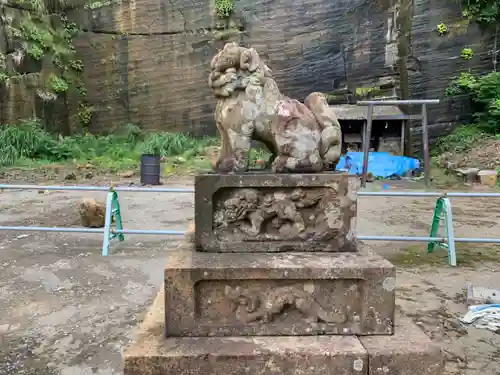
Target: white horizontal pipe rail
pixel 191 190
pixel 97 188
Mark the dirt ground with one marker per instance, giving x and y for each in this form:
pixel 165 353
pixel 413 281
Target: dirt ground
pixel 66 310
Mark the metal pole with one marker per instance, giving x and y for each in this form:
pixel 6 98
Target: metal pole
pixel 107 224
pixel 401 238
pixel 402 146
pixel 363 136
pixel 425 194
pixel 96 188
pixel 427 239
pixel 425 146
pixel 156 190
pixel 54 229
pixel 366 145
pixel 95 230
pixel 180 233
pixel 398 102
pixel 450 234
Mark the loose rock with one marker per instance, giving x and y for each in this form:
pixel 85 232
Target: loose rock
pixel 127 174
pixel 92 213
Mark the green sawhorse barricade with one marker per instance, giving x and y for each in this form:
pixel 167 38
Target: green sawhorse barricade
pixel 113 224
pixel 443 214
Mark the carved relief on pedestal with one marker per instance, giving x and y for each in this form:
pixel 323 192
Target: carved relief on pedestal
pixel 277 214
pixel 263 307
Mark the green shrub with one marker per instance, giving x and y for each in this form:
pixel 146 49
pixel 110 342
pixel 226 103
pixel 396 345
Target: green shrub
pixel 174 144
pixel 461 139
pixel 485 95
pixel 28 140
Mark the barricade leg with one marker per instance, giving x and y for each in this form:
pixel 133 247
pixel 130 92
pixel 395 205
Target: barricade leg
pixel 113 216
pixel 452 256
pixel 107 224
pixel 436 220
pixel 443 212
pixel 117 217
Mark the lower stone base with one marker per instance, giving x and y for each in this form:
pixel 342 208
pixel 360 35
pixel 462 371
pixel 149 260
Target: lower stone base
pixel 408 352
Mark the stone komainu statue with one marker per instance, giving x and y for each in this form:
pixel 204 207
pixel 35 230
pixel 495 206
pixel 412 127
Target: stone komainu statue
pixel 302 137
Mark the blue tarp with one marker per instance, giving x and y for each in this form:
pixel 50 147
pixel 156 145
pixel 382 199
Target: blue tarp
pixel 380 164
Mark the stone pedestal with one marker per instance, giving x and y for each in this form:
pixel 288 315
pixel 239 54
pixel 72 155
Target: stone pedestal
pixel 274 282
pixel 258 294
pixel 408 352
pixel 262 212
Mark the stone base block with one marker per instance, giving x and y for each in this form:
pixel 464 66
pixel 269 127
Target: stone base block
pixel 268 212
pixel 245 294
pixel 152 354
pixel 408 352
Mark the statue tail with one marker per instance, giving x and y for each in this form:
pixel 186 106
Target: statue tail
pixel 331 133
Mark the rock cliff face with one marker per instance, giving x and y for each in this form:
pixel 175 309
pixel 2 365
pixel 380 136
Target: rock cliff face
pixel 147 61
pixel 434 60
pixel 150 59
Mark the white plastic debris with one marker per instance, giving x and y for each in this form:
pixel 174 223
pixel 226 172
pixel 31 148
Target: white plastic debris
pixel 483 317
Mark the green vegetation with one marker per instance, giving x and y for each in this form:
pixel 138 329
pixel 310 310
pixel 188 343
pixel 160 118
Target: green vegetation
pixel 442 29
pixel 467 53
pixel 28 144
pixel 224 8
pixel 484 92
pixel 484 12
pixel 462 139
pixel 44 60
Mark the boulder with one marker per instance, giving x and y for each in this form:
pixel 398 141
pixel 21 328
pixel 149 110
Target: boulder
pixel 92 213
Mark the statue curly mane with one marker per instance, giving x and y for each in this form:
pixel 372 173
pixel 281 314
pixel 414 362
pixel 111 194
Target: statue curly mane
pixel 302 137
pixel 234 68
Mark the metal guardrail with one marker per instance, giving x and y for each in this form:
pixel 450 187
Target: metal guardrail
pixel 96 188
pixel 109 233
pixel 111 212
pixel 443 204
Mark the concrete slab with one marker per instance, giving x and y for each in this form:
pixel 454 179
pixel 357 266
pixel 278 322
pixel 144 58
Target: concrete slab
pixel 408 352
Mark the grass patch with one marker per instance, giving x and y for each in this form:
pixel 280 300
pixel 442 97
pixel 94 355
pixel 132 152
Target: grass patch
pixel 27 146
pixel 462 139
pixel 468 255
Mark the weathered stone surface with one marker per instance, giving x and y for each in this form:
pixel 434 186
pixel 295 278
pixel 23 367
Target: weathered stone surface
pixel 408 352
pixel 265 212
pixel 302 137
pixel 152 354
pixel 147 16
pixel 340 42
pixel 137 79
pixel 244 294
pixel 434 60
